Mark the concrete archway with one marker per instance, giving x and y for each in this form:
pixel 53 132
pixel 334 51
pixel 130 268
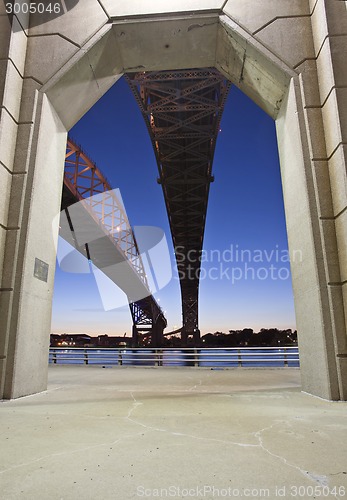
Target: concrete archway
pixel 274 52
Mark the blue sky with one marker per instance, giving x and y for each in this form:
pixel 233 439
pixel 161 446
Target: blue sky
pixel 245 214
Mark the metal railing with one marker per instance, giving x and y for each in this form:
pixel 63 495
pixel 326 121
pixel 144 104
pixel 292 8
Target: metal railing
pixel 198 357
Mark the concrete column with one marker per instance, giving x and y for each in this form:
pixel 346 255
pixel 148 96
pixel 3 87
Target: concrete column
pixel 310 134
pixel 329 22
pixel 13 43
pixel 29 260
pixel 329 25
pixel 312 245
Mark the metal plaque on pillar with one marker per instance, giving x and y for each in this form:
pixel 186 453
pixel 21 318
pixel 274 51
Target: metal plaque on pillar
pixel 41 270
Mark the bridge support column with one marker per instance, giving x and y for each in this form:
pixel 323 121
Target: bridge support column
pixel 135 336
pixel 157 334
pixel 196 336
pixel 32 146
pixel 30 251
pixel 154 341
pixel 184 337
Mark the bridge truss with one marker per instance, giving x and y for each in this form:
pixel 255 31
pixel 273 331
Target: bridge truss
pixel 182 110
pixel 83 180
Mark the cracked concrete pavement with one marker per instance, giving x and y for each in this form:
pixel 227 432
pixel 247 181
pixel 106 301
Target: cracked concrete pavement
pixel 112 433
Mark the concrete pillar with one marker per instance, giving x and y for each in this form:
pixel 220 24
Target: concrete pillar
pixel 13 44
pixel 308 248
pixel 296 33
pixel 29 260
pixel 32 142
pixel 329 24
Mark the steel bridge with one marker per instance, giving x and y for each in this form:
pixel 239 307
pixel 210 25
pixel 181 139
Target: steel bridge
pixel 182 110
pixel 99 229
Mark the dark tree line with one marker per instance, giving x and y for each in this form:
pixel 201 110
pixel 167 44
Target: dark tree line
pixel 270 337
pixel 248 338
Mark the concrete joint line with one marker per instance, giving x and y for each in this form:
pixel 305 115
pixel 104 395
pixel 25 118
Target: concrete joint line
pixel 32 78
pixel 82 51
pixel 334 151
pixel 35 79
pixel 257 43
pixel 331 90
pixel 337 35
pixel 327 37
pixel 304 60
pixel 340 213
pixel 9 228
pixel 10 114
pixel 342 143
pixel 106 23
pixel 14 65
pixel 10 172
pixel 20 24
pixel 314 7
pixel 243 28
pixel 103 8
pixel 13 118
pixel 56 34
pixel 279 17
pixel 322 45
pixel 327 97
pixel 325 100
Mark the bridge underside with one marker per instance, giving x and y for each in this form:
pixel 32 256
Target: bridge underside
pixel 182 110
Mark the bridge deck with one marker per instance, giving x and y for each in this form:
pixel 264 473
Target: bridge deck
pixel 109 433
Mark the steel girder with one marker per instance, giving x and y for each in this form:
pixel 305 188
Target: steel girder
pixel 182 110
pixel 83 180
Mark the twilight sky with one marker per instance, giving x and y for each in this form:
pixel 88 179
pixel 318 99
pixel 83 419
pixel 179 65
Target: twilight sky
pixel 245 274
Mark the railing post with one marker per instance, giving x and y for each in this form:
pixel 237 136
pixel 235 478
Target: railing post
pixel 239 357
pixel 85 356
pixel 196 357
pixel 285 356
pixel 157 354
pixel 120 358
pixel 54 356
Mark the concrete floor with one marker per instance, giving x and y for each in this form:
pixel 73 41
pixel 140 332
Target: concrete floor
pixel 122 433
